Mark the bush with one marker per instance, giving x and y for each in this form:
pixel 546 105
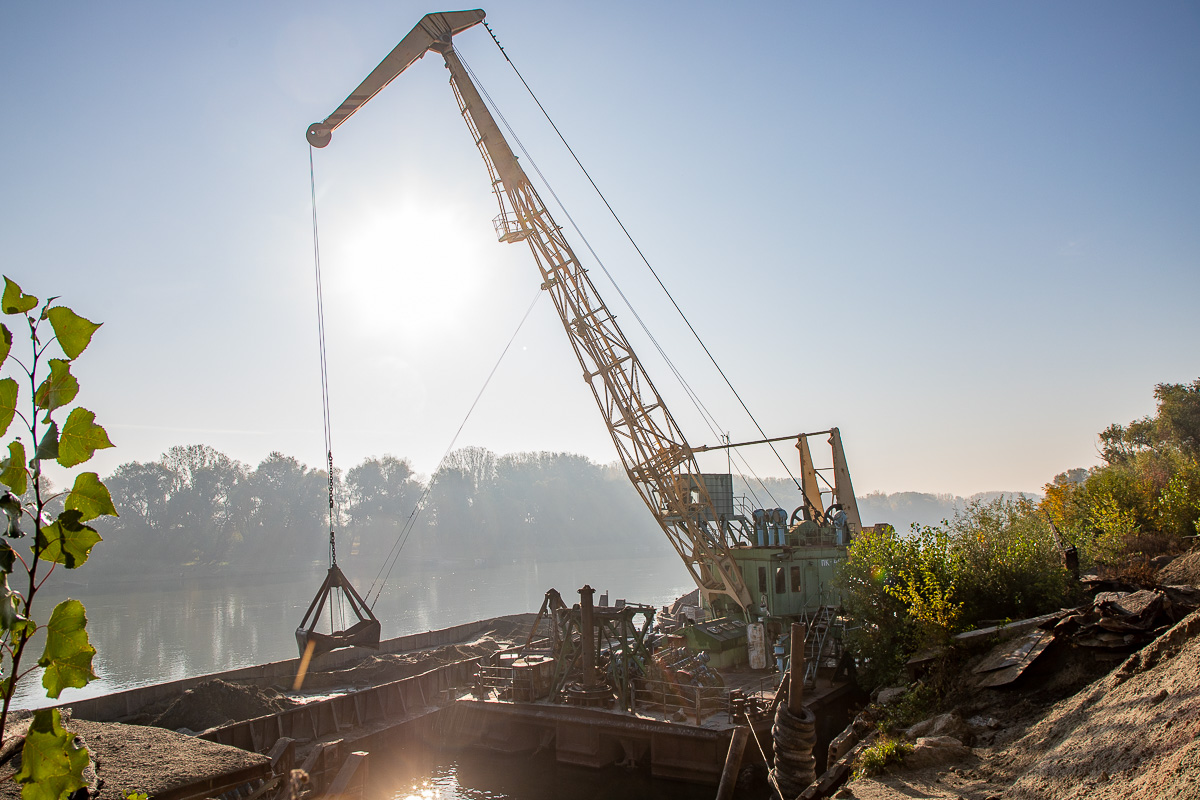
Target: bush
pixel 1006 562
pixel 885 633
pixel 994 561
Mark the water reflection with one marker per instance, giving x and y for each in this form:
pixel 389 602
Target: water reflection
pixel 416 773
pixel 159 630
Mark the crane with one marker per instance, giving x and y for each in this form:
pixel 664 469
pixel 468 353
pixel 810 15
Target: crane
pixel 652 448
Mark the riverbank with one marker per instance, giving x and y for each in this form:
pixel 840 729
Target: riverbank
pixel 1094 715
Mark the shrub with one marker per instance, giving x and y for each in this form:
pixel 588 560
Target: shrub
pixel 1006 562
pixel 884 633
pixel 877 757
pixel 994 561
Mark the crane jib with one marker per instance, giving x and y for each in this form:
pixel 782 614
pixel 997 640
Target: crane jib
pixel 432 28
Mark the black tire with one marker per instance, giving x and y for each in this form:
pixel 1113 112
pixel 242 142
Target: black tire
pixel 797 765
pixel 794 740
pixel 785 717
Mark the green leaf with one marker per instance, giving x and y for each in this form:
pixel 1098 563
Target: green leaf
pixel 67 659
pixel 8 557
pixel 90 497
pixel 59 388
pixel 73 331
pixel 15 301
pixel 47 449
pixel 13 472
pixel 11 505
pixel 8 403
pixel 52 764
pixel 5 343
pixel 10 603
pixel 81 437
pixel 67 540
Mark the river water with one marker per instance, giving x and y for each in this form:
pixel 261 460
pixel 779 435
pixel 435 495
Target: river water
pixel 164 629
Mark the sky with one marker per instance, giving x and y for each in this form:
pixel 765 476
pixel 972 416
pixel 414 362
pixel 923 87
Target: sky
pixel 965 234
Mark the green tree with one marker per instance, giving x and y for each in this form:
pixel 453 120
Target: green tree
pixel 52 765
pixel 1146 495
pixel 288 506
pixel 205 520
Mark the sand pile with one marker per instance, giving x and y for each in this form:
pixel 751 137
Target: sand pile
pixel 1133 733
pixel 216 702
pixel 388 667
pixel 135 758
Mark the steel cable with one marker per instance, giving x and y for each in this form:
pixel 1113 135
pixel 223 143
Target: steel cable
pixel 642 255
pixel 706 415
pixel 389 561
pixel 312 180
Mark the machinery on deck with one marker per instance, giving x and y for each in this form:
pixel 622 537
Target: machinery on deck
pixel 748 563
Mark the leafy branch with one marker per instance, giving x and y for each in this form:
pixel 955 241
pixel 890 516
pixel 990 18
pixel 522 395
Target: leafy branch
pixel 52 765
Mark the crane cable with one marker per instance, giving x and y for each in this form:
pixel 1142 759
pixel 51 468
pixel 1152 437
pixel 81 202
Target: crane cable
pixel 389 561
pixel 333 515
pixel 706 415
pixel 642 255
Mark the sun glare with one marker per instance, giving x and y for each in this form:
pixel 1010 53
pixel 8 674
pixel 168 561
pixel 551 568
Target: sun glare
pixel 410 269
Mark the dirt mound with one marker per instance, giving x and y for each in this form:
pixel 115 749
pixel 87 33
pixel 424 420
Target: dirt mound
pixel 216 702
pixel 1134 733
pixel 135 758
pixel 1131 735
pixel 510 628
pixel 1183 570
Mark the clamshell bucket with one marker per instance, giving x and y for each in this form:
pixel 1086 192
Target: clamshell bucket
pixel 364 633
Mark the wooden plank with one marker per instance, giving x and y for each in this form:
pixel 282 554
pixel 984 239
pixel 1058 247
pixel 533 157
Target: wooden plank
pixel 1013 653
pixel 1006 629
pixel 353 768
pixel 1003 667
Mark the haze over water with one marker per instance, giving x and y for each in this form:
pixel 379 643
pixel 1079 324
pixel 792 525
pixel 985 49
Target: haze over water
pixel 167 629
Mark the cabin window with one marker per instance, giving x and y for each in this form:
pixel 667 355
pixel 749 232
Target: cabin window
pixel 780 581
pixel 797 586
pixel 762 580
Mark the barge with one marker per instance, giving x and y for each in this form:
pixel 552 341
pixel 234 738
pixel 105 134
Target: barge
pixel 499 701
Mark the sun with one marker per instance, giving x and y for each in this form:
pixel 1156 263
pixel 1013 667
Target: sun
pixel 409 269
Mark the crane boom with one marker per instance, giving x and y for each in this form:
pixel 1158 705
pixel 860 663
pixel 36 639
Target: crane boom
pixel 656 456
pixel 432 28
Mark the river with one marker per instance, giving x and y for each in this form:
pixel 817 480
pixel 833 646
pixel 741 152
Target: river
pixel 163 629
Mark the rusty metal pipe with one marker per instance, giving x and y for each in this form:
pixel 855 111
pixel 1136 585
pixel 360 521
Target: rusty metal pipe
pixel 587 636
pixel 796 681
pixel 733 762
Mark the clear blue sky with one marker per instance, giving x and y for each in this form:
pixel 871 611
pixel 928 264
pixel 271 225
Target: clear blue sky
pixel 967 234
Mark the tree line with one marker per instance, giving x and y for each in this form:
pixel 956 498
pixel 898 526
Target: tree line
pixel 197 509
